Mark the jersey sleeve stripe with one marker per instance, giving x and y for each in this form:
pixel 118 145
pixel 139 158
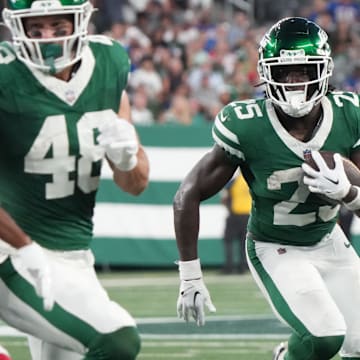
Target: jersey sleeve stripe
pixel 225 131
pixel 231 150
pixel 357 144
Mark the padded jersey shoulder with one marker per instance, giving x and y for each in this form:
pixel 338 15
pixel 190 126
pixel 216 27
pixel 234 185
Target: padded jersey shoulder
pixel 238 122
pixel 11 69
pixel 108 50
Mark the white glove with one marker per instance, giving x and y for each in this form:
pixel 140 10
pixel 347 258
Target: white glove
pixel 193 294
pixel 119 139
pixel 330 182
pixel 34 261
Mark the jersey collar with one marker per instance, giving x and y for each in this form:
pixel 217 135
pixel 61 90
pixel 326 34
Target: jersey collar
pixel 295 145
pixel 69 91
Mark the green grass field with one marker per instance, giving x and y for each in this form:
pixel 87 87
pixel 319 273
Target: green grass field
pixel 242 328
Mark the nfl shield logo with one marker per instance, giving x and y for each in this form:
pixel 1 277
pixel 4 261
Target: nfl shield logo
pixel 70 96
pixel 307 154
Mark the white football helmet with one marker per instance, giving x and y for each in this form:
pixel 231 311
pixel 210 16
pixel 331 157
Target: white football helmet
pixel 44 54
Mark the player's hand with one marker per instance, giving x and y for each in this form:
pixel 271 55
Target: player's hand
pixel 193 294
pixel 193 297
pixel 120 141
pixel 34 261
pixel 330 182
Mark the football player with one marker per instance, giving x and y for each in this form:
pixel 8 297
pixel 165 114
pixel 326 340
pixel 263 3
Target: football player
pixel 63 109
pixel 298 255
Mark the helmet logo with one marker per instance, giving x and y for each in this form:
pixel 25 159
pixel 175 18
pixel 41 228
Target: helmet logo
pixel 264 41
pixel 292 55
pixel 45 4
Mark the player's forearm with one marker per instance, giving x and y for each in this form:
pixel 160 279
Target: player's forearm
pixel 11 232
pixel 136 180
pixel 186 221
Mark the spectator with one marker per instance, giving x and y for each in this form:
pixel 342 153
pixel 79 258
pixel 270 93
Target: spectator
pixel 238 29
pixel 178 113
pixel 345 45
pixel 147 76
pixel 140 113
pixel 344 11
pixel 198 116
pixel 352 82
pixel 215 47
pixel 318 7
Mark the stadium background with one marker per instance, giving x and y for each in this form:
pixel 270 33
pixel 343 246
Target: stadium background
pixel 137 232
pixel 204 54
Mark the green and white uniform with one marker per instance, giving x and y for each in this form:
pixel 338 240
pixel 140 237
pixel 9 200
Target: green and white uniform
pixel 49 160
pixel 271 159
pixel 50 165
pixel 294 244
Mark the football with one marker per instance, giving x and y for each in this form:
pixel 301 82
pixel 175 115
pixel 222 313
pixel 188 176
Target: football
pixel 351 170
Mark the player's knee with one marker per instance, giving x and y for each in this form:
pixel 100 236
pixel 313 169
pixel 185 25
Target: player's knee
pixel 123 344
pixel 326 347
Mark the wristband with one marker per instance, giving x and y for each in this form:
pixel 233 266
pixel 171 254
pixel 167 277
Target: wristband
pixel 190 270
pixel 354 204
pixel 28 249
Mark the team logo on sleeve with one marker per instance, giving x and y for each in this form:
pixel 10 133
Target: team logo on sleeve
pixel 223 117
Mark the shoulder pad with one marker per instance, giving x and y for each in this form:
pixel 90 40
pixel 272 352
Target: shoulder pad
pixel 112 49
pixel 8 62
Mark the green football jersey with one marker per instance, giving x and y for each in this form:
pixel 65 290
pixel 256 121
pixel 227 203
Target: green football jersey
pixel 50 161
pixel 283 209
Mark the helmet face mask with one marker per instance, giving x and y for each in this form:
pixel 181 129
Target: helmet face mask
pixel 50 55
pixel 295 64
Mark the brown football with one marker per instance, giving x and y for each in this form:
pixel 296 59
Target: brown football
pixel 351 170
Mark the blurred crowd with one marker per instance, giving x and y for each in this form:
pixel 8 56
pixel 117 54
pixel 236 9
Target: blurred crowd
pixel 191 57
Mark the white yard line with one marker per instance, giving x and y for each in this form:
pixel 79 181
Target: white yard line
pixel 214 336
pixel 163 280
pixel 163 320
